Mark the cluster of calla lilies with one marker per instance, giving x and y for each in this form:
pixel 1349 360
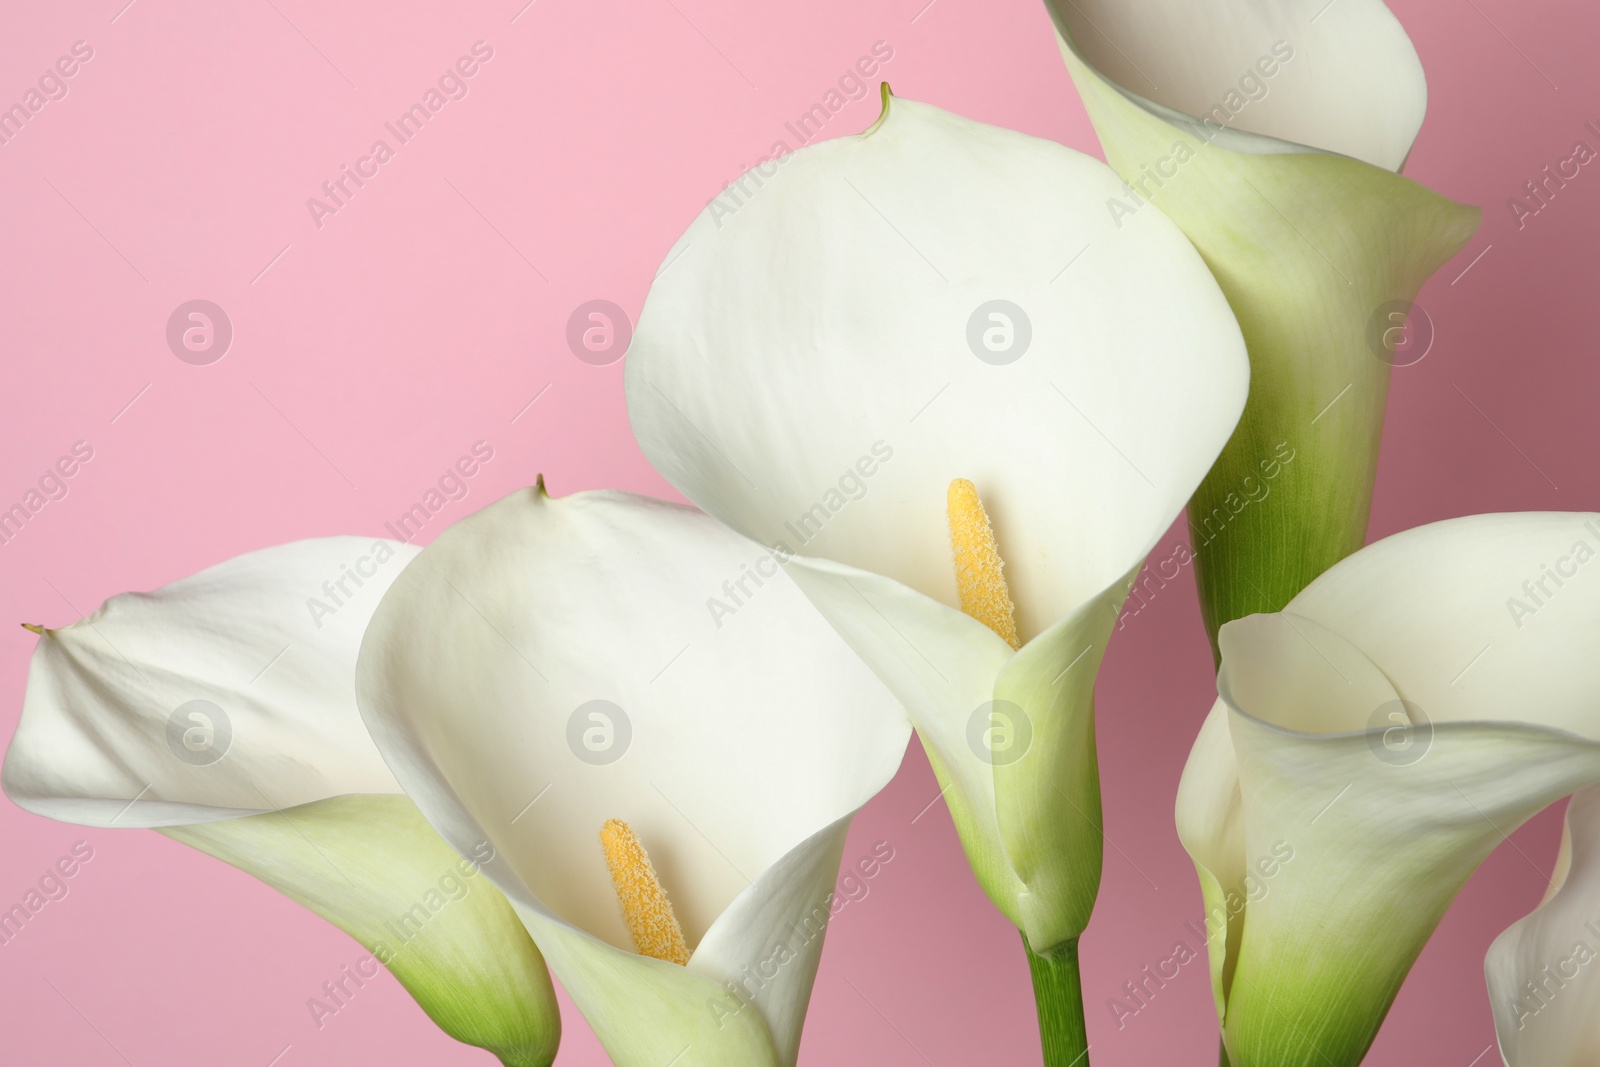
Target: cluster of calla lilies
pixel 958 381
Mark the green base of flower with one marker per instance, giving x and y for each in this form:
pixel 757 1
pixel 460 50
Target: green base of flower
pixel 536 1058
pixel 1222 1055
pixel 1058 992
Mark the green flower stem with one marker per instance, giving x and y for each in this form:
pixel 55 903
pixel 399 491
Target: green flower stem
pixel 1058 991
pixel 1222 1055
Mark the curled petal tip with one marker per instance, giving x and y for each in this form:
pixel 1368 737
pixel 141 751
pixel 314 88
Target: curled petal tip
pixel 885 94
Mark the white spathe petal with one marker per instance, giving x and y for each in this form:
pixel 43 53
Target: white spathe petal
pixel 1341 77
pixel 728 740
pixel 802 368
pixel 1010 735
pixel 1378 852
pixel 1364 739
pixel 1305 243
pixel 1292 673
pixel 1208 799
pixel 1211 827
pixel 647 1012
pixel 372 866
pixel 741 999
pixel 221 710
pixel 1486 617
pixel 224 693
pixel 942 666
pixel 939 299
pixel 1046 769
pixel 1296 674
pixel 768 943
pixel 1544 970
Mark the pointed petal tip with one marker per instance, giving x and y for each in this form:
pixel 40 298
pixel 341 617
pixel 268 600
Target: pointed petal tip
pixel 36 628
pixel 885 94
pixel 538 486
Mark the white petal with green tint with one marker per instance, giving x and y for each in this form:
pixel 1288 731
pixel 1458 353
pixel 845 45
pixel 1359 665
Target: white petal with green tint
pixel 1544 971
pixel 781 366
pixel 1343 81
pixel 371 865
pixel 1384 733
pixel 737 747
pixel 1272 134
pixel 221 710
pixel 944 664
pixel 806 372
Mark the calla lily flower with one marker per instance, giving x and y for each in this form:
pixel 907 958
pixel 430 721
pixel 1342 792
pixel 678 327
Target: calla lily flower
pixel 667 792
pixel 1274 134
pixel 220 710
pixel 1373 742
pixel 922 354
pixel 1542 971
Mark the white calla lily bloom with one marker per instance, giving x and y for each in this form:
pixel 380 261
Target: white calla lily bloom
pixel 547 670
pixel 898 324
pixel 1544 970
pixel 1373 742
pixel 220 710
pixel 1273 134
pixel 1256 76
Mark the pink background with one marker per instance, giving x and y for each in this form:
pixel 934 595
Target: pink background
pixel 432 308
